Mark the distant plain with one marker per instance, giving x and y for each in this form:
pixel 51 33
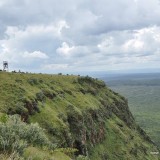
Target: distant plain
pixel 143 94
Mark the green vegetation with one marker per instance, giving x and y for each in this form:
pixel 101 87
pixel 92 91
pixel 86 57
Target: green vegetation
pixel 16 135
pixel 143 93
pixel 78 118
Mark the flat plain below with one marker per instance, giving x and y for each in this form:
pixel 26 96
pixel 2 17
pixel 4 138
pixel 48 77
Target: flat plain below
pixel 143 94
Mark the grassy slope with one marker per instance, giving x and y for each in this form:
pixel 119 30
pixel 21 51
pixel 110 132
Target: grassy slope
pixel 60 97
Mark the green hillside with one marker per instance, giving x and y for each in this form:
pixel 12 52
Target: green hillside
pixel 79 118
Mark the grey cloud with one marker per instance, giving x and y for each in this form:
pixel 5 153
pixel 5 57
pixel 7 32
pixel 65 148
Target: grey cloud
pixel 98 33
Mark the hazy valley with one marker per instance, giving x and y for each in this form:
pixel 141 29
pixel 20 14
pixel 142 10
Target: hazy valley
pixel 143 94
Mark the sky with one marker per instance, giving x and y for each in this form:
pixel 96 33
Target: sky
pixel 51 36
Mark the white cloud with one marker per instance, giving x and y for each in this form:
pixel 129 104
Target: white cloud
pixel 107 45
pixel 133 45
pixel 35 54
pixel 53 29
pixel 80 34
pixel 55 66
pixel 144 41
pixel 61 24
pixel 31 41
pixel 65 49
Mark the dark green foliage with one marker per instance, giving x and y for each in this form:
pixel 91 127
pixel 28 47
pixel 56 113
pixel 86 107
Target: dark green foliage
pixel 90 85
pixel 33 81
pixel 40 96
pixel 91 81
pixel 41 81
pixel 49 93
pixel 68 91
pixel 18 80
pixel 20 109
pixel 86 79
pixel 92 91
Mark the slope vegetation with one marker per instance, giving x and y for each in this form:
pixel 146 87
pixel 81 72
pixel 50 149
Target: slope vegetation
pixel 82 118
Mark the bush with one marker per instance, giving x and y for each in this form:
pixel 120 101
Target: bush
pixel 33 81
pixel 91 81
pixel 20 108
pixel 18 80
pixel 86 79
pixel 81 157
pixel 16 135
pixel 13 156
pixel 40 96
pixel 49 93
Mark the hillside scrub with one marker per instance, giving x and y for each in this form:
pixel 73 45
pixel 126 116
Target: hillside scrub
pixel 75 113
pixel 16 135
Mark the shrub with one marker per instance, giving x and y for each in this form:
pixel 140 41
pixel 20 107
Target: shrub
pixel 81 157
pixel 33 81
pixel 40 81
pixel 86 79
pixel 49 93
pixel 18 80
pixel 40 96
pixel 13 156
pixel 20 109
pixel 91 81
pixel 16 135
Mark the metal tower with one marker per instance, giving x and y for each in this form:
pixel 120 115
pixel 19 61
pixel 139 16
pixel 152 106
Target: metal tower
pixel 5 66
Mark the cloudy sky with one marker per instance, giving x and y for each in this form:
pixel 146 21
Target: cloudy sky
pixel 80 35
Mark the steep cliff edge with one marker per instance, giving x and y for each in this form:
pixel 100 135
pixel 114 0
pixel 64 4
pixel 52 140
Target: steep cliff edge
pixel 77 112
